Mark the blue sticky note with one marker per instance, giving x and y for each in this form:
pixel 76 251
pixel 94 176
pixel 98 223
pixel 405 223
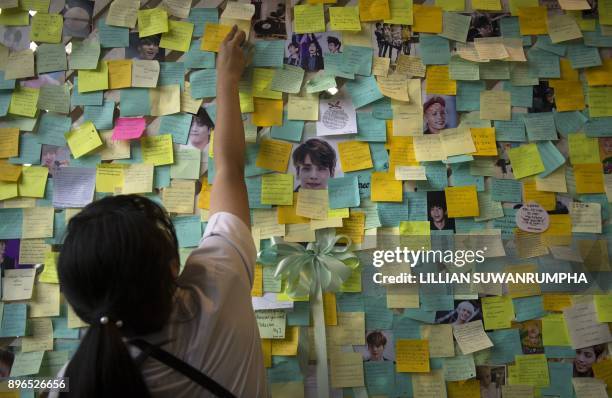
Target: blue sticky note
pixel 343 192
pixel 92 98
pixel 494 70
pixel 211 110
pixel 570 122
pixel 560 375
pixel 100 116
pixel 552 158
pixel 284 369
pixel 363 91
pixel 349 302
pixel 371 129
pixel 250 168
pixel 403 385
pixel 203 83
pixel 59 228
pixel 556 351
pixel 198 59
pixel 406 328
pixel 544 63
pixel 364 177
pixel 540 126
pixel 509 27
pixel 290 130
pixel 380 156
pixel 436 302
pixel 135 102
pixel 419 314
pixel 14 319
pixel 29 150
pixel 52 127
pixel 466 225
pixel 6 84
pixel 596 39
pixel 544 42
pixel 377 315
pixel 582 56
pixel 188 230
pixel 435 50
pixel 269 53
pixel 437 179
pixel 390 213
pixel 113 36
pixel 510 130
pixel 506 344
pixel 171 73
pixel 507 223
pixel 381 109
pixel 359 59
pixel 61 330
pixel 10 227
pixel 598 126
pixel 199 17
pixel 178 125
pixel 161 176
pixel 335 66
pixel 253 185
pixel 461 177
pixel 417 205
pixel 526 308
pixel 468 95
pixel 506 190
pixel 5 101
pixel 300 316
pixel 379 377
pixel 519 95
pixel 600 198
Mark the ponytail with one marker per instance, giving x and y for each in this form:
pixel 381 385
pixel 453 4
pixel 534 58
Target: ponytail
pixel 102 367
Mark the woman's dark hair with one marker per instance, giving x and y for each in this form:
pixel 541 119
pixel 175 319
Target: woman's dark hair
pixel 203 119
pixel 321 154
pixel 116 262
pixel 481 21
pixel 376 339
pixel 334 41
pixel 154 39
pixel 437 199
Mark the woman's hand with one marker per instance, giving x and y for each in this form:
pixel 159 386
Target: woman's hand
pixel 231 60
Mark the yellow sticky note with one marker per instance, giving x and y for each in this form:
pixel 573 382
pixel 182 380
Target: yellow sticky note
pixel 554 330
pixel 344 18
pixel 374 10
pixel 525 160
pixel 214 34
pixel 412 355
pixel 401 12
pixel 603 306
pixel 165 100
pixel 157 149
pixel 94 80
pixel 289 345
pixel 600 75
pixel 354 155
pixel 462 201
pixel 266 347
pixel 464 388
pixel 152 22
pixel 33 181
pixel 109 177
pixel 563 27
pixel 489 5
pixel 515 5
pixel 8 190
pixel 268 112
pixel 427 19
pixel 204 197
pixel 178 36
pixel 9 172
pixel 569 95
pixel 83 139
pixel 583 149
pixel 484 141
pixel 24 101
pixel 589 178
pixel 262 82
pixel 273 155
pixel 556 302
pixel 288 215
pixel 178 197
pixel 329 309
pixel 451 5
pixel 312 203
pixel 277 189
pixel 530 194
pixel 257 289
pixel 353 226
pixel 559 230
pixel 600 101
pixel 385 188
pixel 438 81
pixel 532 21
pixel 309 18
pixel 9 142
pixel 497 311
pixel 47 28
pixel 532 370
pixel 37 222
pixel 119 73
pixel 495 105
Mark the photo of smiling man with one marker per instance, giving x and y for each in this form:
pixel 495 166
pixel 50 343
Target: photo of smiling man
pixel 145 48
pixel 438 113
pixel 314 162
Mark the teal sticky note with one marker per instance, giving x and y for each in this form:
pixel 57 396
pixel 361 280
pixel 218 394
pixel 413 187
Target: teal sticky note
pixel 380 156
pixel 551 157
pixel 379 377
pixel 468 95
pixel 211 110
pixel 14 320
pixel 199 17
pixel 540 126
pixel 335 66
pixel 545 64
pixel 363 91
pixel 494 70
pixel 198 59
pixel 59 228
pixel 6 84
pixel 284 369
pixel 250 168
pixel 364 179
pixel 92 98
pixel 188 230
pixel 178 125
pixel 598 126
pixel 290 130
pixel 27 363
pixel 437 178
pixel 570 122
pixel 377 315
pixel 52 127
pixel 52 363
pixel 135 102
pixel 61 330
pixel 381 109
pixel 405 327
pixel 435 50
pixel 519 95
pixel 557 351
pixel 545 43
pixel 10 227
pixel 171 73
pixel 343 192
pixel 85 54
pixel 510 130
pixel 436 301
pixel 600 198
pixel 403 385
pixel 417 205
pixel 55 98
pixel 5 101
pixel 503 190
pixel 459 367
pixel 560 375
pixel 29 150
pixel 349 302
pixel 203 83
pixel 359 59
pixel 269 53
pixel 462 69
pixel 51 58
pixel 161 176
pixel 89 160
pixel 371 129
pixel 100 116
pixel 300 316
pixel 506 344
pixel 509 27
pixel 526 308
pixel 391 214
pixel 113 36
pixel 253 185
pixel 507 223
pixel 582 56
pixel 136 154
pixel 461 177
pixel 596 39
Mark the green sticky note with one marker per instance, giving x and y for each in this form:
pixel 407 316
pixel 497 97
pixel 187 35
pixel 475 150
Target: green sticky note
pixel 47 28
pixel 51 58
pixel 461 69
pixel 27 363
pixel 54 98
pixel 186 164
pixel 85 54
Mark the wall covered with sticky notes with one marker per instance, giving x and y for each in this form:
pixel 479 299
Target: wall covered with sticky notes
pixel 441 125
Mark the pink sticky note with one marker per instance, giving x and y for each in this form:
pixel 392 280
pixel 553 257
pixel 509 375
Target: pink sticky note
pixel 128 128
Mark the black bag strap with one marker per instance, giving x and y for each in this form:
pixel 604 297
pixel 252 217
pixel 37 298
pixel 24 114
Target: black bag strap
pixel 182 367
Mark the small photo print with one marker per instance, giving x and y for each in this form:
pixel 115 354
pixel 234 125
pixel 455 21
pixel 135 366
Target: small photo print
pixel 588 356
pixel 145 48
pixel 437 212
pixel 391 41
pixel 465 311
pixel 77 18
pixel 485 24
pixel 503 168
pixel 16 38
pixel 306 51
pixel 53 157
pixel 491 378
pixel 313 162
pixel 269 20
pixel 6 361
pixel 531 337
pixel 543 98
pixel 9 253
pixel 379 347
pixel 439 112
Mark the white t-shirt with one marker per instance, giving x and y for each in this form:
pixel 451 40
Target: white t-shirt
pixel 213 326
